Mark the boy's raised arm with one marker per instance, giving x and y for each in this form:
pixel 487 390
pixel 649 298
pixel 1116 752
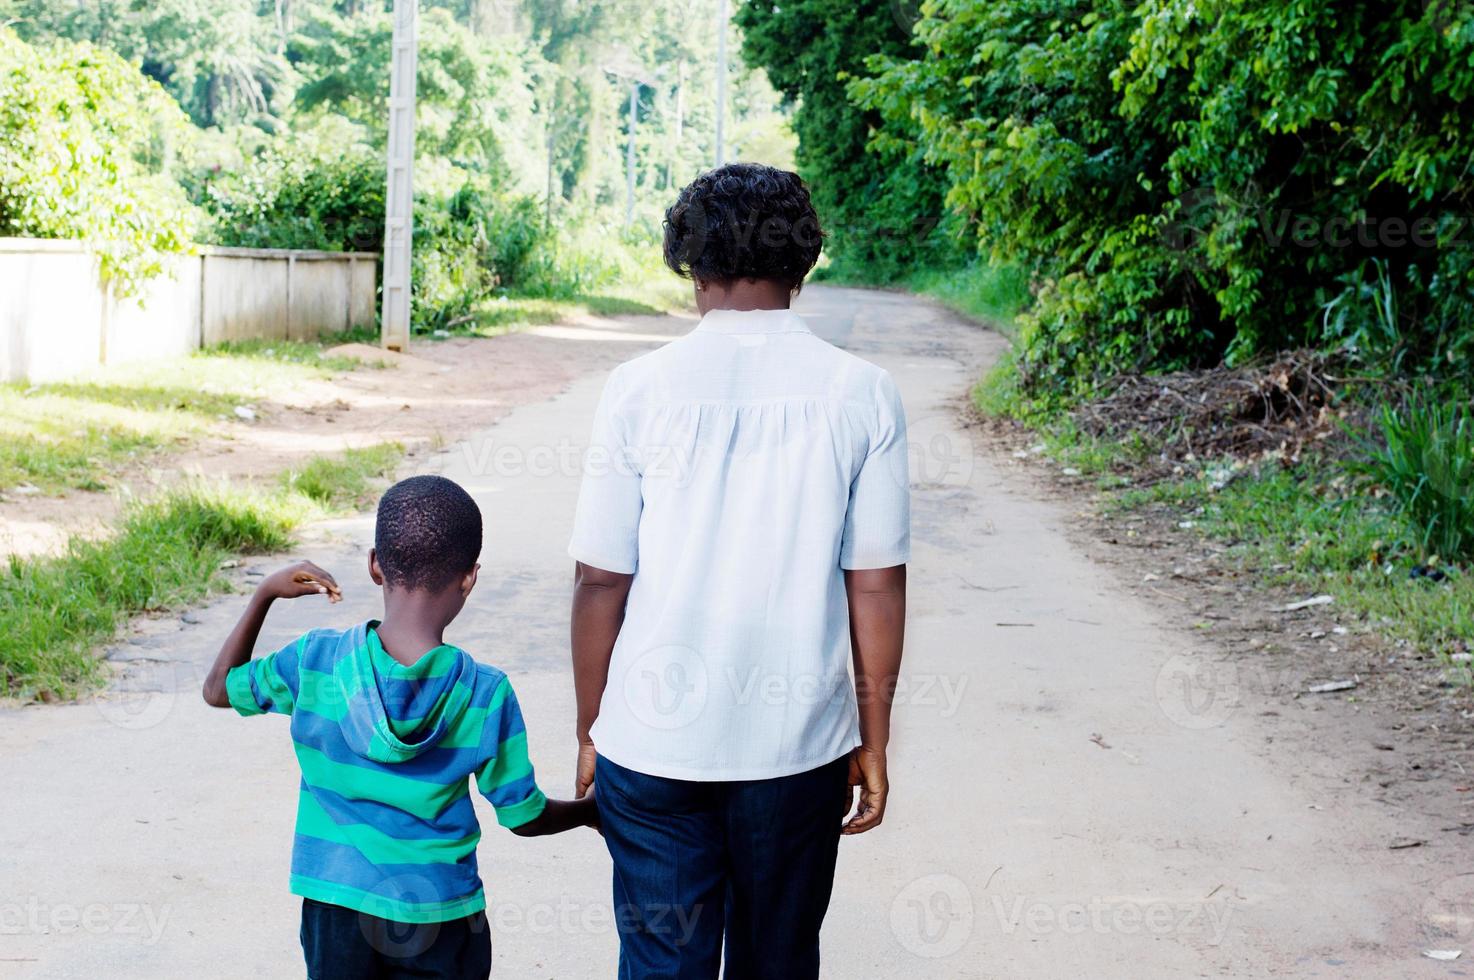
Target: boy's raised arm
pixel 292 582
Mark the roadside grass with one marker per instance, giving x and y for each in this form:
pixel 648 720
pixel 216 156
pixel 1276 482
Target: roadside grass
pixel 1313 529
pixel 80 434
pixel 995 293
pixel 649 296
pixel 346 480
pixel 998 395
pixel 168 552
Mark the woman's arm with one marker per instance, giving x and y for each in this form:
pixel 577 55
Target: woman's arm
pixel 877 600
pixel 598 613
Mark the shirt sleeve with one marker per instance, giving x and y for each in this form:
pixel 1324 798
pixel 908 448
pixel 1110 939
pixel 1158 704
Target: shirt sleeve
pixel 506 779
pixel 877 524
pixel 606 527
pixel 267 683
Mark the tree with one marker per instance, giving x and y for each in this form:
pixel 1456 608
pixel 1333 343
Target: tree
pixel 87 147
pixel 1192 181
pixel 881 208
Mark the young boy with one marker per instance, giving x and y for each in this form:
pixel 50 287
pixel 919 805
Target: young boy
pixel 388 722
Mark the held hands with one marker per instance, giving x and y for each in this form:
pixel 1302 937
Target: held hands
pixel 296 581
pixel 867 771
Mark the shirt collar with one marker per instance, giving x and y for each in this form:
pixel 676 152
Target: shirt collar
pixel 752 322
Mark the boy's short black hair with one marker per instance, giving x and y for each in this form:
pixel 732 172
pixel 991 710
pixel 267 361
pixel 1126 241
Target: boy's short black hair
pixel 428 533
pixel 743 221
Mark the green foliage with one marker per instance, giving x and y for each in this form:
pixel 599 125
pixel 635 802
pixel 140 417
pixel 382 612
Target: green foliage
pixel 291 195
pixel 1425 462
pixel 980 290
pixel 220 59
pixel 1310 529
pixel 883 210
pixel 86 146
pixel 167 553
pixel 1192 181
pixel 513 99
pixel 474 96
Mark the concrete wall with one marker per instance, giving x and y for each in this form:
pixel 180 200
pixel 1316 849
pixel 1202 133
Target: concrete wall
pixel 56 320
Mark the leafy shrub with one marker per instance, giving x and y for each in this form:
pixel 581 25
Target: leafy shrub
pixel 1426 464
pixel 167 552
pixel 469 239
pixel 86 146
pixel 1191 181
pixel 290 197
pixel 882 211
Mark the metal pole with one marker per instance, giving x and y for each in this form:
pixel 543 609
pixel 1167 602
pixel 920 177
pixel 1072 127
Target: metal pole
pixel 548 204
pixel 399 195
pixel 726 16
pixel 629 157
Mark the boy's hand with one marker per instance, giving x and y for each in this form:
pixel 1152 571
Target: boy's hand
pixel 301 579
pixel 867 771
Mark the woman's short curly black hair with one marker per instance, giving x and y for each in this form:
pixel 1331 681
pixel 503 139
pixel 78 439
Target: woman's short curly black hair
pixel 743 221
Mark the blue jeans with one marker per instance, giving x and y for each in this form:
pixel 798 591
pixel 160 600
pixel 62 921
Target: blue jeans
pixel 341 944
pixel 693 862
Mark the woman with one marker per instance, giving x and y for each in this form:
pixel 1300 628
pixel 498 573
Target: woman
pixel 741 538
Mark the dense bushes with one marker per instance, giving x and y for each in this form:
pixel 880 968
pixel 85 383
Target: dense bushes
pixel 1191 181
pixel 87 147
pixel 882 209
pixel 316 193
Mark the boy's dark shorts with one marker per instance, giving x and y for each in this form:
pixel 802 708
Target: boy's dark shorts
pixel 343 944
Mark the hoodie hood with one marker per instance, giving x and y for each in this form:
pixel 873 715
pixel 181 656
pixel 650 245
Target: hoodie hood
pixel 394 712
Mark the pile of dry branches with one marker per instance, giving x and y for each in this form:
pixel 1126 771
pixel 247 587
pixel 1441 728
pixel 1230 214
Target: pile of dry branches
pixel 1250 412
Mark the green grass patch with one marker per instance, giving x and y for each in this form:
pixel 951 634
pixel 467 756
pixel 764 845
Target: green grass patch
pixel 344 480
pixel 996 293
pixel 79 434
pixel 1313 529
pixel 304 354
pixel 167 553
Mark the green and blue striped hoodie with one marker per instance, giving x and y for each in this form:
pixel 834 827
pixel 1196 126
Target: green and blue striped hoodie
pixel 385 823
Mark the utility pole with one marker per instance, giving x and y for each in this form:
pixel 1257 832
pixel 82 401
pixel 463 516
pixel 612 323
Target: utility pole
pixel 399 197
pixel 723 19
pixel 552 133
pixel 629 156
pixel 625 70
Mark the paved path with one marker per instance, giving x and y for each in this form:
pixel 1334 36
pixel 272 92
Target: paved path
pixel 144 835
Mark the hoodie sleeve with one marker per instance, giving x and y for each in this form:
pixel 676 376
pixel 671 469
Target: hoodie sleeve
pixel 266 683
pixel 506 779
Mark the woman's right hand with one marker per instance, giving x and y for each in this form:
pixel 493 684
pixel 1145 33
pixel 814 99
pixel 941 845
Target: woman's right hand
pixel 584 780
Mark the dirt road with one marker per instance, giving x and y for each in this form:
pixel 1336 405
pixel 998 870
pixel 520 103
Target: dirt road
pixel 1076 794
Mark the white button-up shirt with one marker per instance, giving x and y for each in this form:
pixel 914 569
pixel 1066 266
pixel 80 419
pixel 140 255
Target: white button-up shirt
pixel 736 472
